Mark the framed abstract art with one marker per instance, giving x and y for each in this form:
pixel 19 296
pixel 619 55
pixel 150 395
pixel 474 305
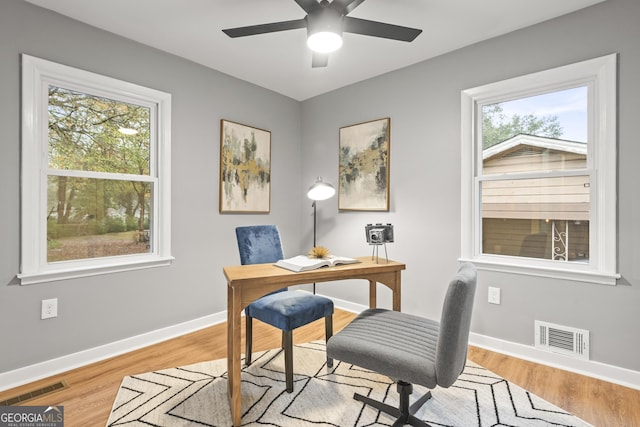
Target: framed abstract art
pixel 363 166
pixel 245 168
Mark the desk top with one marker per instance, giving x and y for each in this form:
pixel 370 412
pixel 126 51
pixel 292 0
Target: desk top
pixel 247 275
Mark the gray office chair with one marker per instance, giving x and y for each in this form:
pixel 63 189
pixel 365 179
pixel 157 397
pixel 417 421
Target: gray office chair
pixel 411 349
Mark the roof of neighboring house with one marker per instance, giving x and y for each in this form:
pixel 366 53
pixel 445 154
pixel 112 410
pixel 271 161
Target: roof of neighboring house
pixel 534 141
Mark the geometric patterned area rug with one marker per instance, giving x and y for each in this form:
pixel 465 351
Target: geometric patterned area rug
pixel 196 395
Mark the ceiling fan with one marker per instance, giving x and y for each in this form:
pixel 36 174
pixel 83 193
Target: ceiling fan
pixel 325 22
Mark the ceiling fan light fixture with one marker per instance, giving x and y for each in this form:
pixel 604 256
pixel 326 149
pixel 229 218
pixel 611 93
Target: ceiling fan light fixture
pixel 325 22
pixel 324 30
pixel 324 41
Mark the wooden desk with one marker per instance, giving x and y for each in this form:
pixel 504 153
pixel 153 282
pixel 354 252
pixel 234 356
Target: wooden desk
pixel 246 283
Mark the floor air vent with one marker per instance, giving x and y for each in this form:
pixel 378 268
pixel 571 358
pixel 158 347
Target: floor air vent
pixel 34 393
pixel 562 339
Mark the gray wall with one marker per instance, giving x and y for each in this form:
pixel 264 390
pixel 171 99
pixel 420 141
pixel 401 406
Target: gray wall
pixel 423 102
pixel 100 310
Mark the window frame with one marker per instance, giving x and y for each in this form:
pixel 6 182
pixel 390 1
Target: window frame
pixel 37 75
pixel 600 76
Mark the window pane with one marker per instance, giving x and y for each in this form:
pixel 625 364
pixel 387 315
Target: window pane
pixel 94 218
pixel 537 133
pixel 554 239
pixel 92 133
pixel 539 218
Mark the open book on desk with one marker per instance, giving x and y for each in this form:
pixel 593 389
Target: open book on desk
pixel 304 263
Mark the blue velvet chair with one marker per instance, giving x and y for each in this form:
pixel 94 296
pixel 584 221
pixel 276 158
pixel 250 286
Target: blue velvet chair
pixel 284 309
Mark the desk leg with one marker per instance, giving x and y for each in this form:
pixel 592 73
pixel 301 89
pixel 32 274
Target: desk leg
pixel 396 291
pixel 373 295
pixel 394 284
pixel 234 331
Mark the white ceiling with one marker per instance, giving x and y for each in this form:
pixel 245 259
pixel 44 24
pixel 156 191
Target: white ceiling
pixel 281 61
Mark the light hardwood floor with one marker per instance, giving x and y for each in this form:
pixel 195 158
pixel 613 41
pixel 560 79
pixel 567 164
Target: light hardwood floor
pixel 90 390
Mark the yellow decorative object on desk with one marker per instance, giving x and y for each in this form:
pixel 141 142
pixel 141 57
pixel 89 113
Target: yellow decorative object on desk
pixel 318 252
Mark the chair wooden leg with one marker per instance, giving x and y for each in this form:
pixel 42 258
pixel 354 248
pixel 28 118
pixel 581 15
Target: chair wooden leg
pixel 328 332
pixel 248 338
pixel 287 342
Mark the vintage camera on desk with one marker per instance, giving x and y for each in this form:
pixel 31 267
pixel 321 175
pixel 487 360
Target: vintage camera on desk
pixel 379 234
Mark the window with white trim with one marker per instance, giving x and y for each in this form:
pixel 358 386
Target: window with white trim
pixel 539 173
pixel 95 174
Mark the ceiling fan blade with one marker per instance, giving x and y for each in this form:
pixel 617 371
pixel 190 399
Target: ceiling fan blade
pixel 319 60
pixel 379 29
pixel 308 5
pixel 265 28
pixel 345 6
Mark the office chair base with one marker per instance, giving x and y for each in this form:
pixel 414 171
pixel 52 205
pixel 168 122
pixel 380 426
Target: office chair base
pixel 404 413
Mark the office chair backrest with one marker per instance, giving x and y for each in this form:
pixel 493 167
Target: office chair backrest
pixel 259 244
pixel 455 322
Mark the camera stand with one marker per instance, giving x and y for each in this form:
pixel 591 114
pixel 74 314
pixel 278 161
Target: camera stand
pixel 374 254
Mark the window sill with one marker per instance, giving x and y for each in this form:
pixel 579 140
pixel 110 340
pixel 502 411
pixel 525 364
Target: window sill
pixel 576 274
pixel 86 271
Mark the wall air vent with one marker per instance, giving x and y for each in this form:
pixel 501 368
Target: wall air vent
pixel 562 339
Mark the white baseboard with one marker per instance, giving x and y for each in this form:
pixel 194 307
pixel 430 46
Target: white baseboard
pixel 609 373
pixel 38 371
pixel 613 374
pixel 348 305
pixel 27 374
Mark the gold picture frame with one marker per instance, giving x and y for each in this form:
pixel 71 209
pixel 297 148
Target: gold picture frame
pixel 363 166
pixel 245 168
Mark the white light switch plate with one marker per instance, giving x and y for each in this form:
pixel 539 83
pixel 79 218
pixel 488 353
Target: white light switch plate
pixel 494 295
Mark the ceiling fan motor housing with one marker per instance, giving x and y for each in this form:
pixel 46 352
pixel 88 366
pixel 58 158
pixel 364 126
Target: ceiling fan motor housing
pixel 324 20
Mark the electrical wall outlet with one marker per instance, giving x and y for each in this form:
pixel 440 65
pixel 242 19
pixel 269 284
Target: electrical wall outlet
pixel 49 308
pixel 494 295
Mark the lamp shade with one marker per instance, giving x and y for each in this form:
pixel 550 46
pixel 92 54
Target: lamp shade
pixel 321 190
